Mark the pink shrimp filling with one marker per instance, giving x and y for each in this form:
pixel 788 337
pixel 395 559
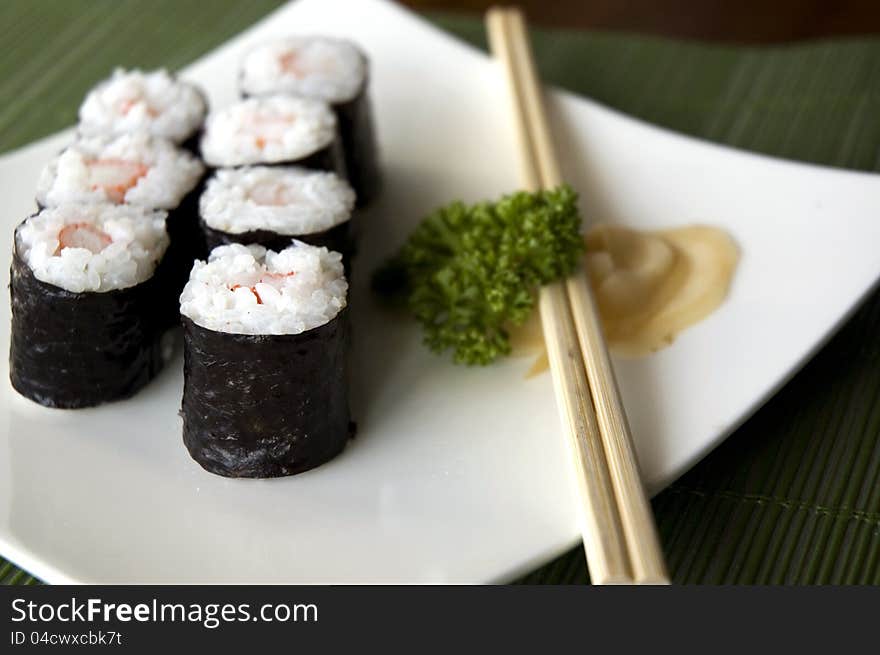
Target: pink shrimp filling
pixel 266 278
pixel 268 127
pixel 82 235
pixel 269 278
pixel 276 195
pixel 128 104
pixel 290 64
pixel 115 176
pixel 252 289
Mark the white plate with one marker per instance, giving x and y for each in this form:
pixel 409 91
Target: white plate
pixel 457 474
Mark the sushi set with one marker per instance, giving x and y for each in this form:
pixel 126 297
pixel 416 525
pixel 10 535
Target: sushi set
pixel 235 223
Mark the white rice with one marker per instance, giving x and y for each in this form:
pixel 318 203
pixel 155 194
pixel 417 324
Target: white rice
pixel 133 101
pixel 267 130
pixel 117 246
pixel 328 69
pixel 249 290
pixel 286 200
pixel 153 172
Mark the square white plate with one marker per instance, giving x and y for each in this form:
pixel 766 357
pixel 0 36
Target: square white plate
pixel 457 474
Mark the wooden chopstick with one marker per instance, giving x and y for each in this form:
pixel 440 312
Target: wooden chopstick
pixel 643 544
pixel 600 527
pixel 620 538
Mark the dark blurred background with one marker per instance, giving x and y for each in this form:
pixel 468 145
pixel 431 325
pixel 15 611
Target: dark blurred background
pixel 734 21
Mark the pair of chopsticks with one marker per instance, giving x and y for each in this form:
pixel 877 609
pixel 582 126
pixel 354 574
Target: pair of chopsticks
pixel 620 538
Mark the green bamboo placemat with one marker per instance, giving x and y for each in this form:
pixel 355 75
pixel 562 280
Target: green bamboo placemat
pixel 794 495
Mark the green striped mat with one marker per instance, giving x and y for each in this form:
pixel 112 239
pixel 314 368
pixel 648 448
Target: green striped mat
pixel 794 495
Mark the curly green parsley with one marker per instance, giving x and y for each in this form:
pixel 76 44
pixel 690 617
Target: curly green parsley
pixel 466 272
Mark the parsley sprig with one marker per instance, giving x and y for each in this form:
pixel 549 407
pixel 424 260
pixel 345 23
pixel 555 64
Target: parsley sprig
pixel 468 272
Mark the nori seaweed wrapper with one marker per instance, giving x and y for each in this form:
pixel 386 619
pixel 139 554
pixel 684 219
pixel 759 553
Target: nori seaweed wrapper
pixel 187 242
pixel 358 148
pixel 72 350
pixel 191 143
pixel 329 158
pixel 358 136
pixel 336 238
pixel 262 406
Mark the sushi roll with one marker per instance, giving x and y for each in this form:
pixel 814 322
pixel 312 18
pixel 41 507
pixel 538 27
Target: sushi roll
pixel 155 102
pixel 133 169
pixel 274 130
pixel 329 69
pixel 83 286
pixel 270 205
pixel 266 338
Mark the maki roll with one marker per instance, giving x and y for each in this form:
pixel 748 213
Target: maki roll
pixel 155 102
pixel 83 285
pixel 271 205
pixel 265 389
pixel 133 169
pixel 274 130
pixel 329 69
